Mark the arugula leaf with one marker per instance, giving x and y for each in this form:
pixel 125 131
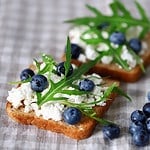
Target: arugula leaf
pixel 94 10
pixel 67 63
pixel 122 93
pixel 49 61
pixel 57 87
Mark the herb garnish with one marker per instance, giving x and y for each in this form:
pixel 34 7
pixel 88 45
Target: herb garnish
pixel 114 22
pixel 68 81
pixel 61 87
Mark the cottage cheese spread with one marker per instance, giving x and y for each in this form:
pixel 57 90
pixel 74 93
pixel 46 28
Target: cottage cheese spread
pixel 24 96
pixel 91 51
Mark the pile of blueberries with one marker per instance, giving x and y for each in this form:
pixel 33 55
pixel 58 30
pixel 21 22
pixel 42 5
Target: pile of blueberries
pixel 140 125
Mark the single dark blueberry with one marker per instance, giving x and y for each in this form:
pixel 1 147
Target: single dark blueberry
pixel 72 115
pixel 138 115
pixel 39 83
pixel 140 138
pixel 60 69
pixel 135 45
pixel 136 126
pixel 26 73
pixel 75 51
pixel 148 124
pixel 117 38
pixel 86 85
pixel 148 95
pixel 111 131
pixel 146 109
pixel 103 25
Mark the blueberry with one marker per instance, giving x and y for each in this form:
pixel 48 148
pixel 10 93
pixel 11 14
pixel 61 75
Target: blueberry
pixel 103 25
pixel 75 51
pixel 111 131
pixel 148 95
pixel 26 73
pixel 117 38
pixel 39 83
pixel 138 115
pixel 60 69
pixel 148 124
pixel 136 126
pixel 72 115
pixel 135 45
pixel 146 109
pixel 86 85
pixel 140 138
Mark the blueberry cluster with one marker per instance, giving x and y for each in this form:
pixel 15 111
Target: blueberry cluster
pixel 38 81
pixel 119 38
pixel 140 125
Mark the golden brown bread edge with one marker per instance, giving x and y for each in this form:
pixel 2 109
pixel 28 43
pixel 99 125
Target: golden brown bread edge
pixel 117 73
pixel 81 130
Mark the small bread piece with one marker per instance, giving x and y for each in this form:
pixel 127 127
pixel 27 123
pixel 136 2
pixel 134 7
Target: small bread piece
pixel 81 130
pixel 117 73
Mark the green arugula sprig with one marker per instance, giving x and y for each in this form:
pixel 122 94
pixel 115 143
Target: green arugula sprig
pixel 61 87
pixel 50 95
pixel 115 21
pixel 120 15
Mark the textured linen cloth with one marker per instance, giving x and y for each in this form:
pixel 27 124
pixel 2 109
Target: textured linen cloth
pixel 30 27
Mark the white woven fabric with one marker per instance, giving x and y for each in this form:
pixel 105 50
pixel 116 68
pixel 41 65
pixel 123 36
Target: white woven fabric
pixel 30 27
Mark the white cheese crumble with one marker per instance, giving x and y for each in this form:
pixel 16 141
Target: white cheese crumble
pixel 105 34
pixel 90 52
pixel 52 111
pixel 106 59
pixel 82 58
pixel 23 92
pixel 125 55
pixel 102 47
pixel 24 95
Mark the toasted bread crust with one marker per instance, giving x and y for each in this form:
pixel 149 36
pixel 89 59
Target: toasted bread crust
pixel 115 72
pixel 81 130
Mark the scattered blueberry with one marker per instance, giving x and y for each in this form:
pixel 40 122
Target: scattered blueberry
pixel 86 85
pixel 26 73
pixel 140 138
pixel 138 115
pixel 117 38
pixel 111 131
pixel 135 45
pixel 72 115
pixel 136 126
pixel 61 69
pixel 148 95
pixel 146 109
pixel 39 83
pixel 75 50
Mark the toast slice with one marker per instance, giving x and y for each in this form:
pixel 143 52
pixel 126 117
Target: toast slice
pixel 79 131
pixel 117 73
